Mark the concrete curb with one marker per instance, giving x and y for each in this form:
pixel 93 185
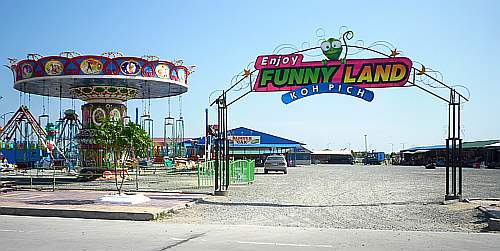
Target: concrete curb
pixel 144 212
pixel 71 213
pixel 92 214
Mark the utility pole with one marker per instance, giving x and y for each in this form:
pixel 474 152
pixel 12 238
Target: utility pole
pixel 392 152
pixel 366 151
pixel 366 145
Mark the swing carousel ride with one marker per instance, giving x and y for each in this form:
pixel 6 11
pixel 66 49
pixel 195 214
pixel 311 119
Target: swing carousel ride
pixel 105 83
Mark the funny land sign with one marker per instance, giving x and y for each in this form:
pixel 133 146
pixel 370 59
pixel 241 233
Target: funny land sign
pixel 351 77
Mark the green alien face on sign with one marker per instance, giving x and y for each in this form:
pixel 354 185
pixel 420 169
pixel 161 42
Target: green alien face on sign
pixel 332 48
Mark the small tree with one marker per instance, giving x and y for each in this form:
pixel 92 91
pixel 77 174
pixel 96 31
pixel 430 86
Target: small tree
pixel 122 142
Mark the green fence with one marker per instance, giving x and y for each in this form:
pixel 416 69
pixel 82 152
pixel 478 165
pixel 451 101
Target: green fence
pixel 240 172
pixel 206 173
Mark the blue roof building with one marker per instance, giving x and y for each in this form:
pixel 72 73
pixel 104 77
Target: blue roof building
pixel 251 144
pixel 243 139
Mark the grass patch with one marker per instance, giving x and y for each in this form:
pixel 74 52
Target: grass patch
pixel 165 215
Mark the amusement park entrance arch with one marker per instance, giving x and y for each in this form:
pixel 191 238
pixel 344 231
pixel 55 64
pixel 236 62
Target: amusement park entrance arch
pixel 338 74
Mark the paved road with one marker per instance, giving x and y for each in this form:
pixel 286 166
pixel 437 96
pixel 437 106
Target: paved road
pixel 350 197
pixel 31 233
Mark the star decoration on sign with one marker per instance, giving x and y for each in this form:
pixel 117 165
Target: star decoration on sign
pixel 395 52
pixel 421 71
pixel 246 73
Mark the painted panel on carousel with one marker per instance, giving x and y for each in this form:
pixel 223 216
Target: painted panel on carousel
pixel 39 71
pixel 130 67
pixel 50 66
pixel 27 70
pixel 174 75
pixel 147 70
pixel 86 116
pixel 181 74
pixel 162 71
pixel 111 67
pixel 54 67
pixel 115 115
pixel 91 66
pixel 98 115
pixel 72 68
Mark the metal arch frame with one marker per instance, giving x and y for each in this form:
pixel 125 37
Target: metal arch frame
pixel 453 142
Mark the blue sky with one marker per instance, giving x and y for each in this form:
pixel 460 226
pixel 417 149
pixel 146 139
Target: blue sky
pixel 221 38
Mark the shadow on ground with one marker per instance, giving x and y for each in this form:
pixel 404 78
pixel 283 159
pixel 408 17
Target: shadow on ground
pixel 264 204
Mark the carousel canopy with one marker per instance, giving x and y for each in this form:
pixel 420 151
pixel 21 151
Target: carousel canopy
pixel 109 75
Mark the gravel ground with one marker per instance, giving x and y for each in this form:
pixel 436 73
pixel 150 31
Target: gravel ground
pixel 351 197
